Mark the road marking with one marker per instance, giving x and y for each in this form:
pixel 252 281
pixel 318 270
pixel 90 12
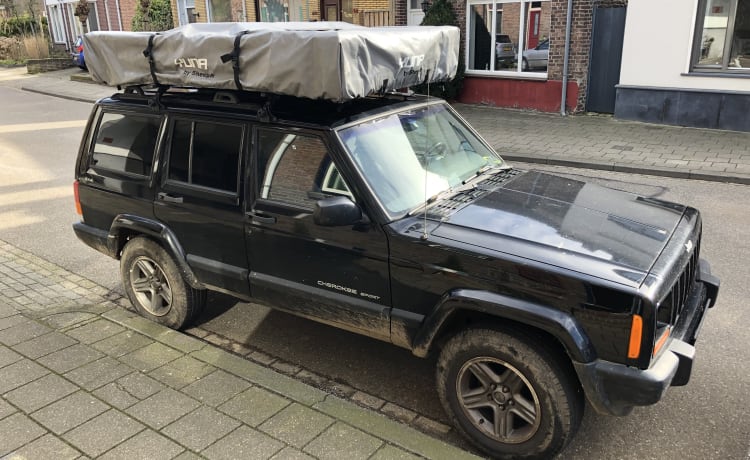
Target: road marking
pixel 39 126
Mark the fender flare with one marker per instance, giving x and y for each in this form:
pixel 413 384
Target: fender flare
pixel 157 231
pixel 555 322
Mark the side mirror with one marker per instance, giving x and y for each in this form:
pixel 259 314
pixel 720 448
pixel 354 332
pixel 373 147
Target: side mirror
pixel 336 211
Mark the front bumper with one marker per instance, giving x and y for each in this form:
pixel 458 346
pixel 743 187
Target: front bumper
pixel 615 389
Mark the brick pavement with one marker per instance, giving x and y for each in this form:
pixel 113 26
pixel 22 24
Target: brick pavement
pixel 81 376
pixel 601 142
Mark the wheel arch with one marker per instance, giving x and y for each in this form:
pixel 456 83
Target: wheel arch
pixel 466 308
pixel 126 227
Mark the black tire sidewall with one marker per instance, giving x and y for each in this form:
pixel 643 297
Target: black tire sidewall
pixel 557 424
pixel 180 311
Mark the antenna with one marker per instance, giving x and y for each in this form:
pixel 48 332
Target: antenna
pixel 426 162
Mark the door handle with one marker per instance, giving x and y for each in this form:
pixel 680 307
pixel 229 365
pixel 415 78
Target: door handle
pixel 169 198
pixel 261 218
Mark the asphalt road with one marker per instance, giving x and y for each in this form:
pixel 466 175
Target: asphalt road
pixel 708 419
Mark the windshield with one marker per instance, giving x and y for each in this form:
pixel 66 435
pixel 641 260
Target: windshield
pixel 411 156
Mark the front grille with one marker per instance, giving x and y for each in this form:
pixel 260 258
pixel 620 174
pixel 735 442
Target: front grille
pixel 671 307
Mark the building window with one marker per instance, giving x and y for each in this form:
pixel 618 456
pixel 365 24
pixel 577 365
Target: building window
pixel 220 11
pixel 507 37
pixel 722 41
pixel 58 26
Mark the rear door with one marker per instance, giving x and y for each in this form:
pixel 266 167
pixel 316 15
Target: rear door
pixel 199 198
pixel 336 275
pixel 115 173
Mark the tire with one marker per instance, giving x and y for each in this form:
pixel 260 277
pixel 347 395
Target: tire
pixel 526 405
pixel 525 65
pixel 155 286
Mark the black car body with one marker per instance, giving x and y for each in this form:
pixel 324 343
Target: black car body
pixel 606 289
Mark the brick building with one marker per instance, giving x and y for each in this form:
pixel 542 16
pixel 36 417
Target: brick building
pixel 363 12
pixel 65 27
pixel 537 31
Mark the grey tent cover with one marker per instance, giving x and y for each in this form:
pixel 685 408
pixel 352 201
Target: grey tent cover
pixel 328 60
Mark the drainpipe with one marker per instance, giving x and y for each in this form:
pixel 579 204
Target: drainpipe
pixel 566 57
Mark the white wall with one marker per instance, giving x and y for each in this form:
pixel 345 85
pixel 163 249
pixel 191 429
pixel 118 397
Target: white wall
pixel 657 47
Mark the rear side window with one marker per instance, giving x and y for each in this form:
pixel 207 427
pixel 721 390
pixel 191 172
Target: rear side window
pixel 125 143
pixel 205 154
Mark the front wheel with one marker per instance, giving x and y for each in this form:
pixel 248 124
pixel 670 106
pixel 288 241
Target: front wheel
pixel 155 286
pixel 525 65
pixel 507 394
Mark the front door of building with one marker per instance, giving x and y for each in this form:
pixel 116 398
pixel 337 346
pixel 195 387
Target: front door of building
pixel 532 38
pixel 331 10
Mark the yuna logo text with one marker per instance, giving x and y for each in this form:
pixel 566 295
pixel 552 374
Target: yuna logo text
pixel 411 61
pixel 197 63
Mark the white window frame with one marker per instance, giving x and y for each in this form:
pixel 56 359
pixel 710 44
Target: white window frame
pixel 729 42
pixel 525 6
pixel 58 23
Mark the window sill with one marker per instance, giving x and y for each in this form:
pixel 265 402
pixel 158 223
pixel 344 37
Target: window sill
pixel 508 75
pixel 718 74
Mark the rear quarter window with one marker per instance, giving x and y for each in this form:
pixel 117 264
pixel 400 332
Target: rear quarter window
pixel 125 143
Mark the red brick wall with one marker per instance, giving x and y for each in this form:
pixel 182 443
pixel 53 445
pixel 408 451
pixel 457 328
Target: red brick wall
pixel 127 11
pixel 553 13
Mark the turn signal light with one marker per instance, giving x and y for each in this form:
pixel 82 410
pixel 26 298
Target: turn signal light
pixel 77 199
pixel 636 334
pixel 662 340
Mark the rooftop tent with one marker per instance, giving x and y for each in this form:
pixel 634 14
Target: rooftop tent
pixel 329 60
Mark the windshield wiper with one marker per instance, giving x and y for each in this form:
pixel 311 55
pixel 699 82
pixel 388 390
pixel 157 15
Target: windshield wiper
pixel 478 173
pixel 431 200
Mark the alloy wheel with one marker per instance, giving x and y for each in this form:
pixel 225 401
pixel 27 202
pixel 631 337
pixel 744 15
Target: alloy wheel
pixel 498 400
pixel 151 287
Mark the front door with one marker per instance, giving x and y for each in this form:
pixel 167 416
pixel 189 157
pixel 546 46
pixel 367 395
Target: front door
pixel 336 275
pixel 199 199
pixel 532 38
pixel 332 10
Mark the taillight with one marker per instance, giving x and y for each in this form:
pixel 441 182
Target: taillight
pixel 77 198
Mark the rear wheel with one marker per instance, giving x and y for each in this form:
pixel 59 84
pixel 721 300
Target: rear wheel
pixel 524 65
pixel 155 286
pixel 510 396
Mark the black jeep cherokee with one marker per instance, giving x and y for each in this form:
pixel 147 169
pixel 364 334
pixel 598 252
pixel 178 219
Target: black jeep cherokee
pixel 391 217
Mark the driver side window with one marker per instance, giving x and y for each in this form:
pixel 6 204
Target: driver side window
pixel 296 169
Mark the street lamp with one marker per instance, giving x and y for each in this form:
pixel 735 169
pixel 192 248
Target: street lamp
pixel 425 6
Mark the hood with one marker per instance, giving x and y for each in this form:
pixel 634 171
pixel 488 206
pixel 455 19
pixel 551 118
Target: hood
pixel 568 218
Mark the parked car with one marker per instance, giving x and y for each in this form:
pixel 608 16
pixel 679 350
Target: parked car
pixel 77 54
pixel 391 217
pixel 537 57
pixel 505 51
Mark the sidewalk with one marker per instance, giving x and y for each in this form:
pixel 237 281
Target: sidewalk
pixel 81 376
pixel 586 141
